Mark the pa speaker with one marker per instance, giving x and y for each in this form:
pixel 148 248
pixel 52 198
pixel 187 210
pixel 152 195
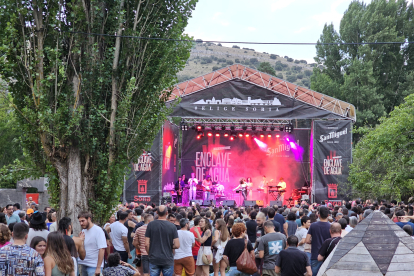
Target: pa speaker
pixel 276 202
pixel 229 203
pixel 209 202
pixel 260 203
pixel 195 201
pixel 249 203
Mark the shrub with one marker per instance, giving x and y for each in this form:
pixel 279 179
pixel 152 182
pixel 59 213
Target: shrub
pixel 254 60
pixel 237 60
pixel 278 67
pixel 199 40
pixel 272 56
pixel 219 44
pixel 300 76
pixel 291 78
pixel 290 59
pixel 303 61
pixel 215 68
pixel 229 62
pixel 308 73
pixel 279 75
pixel 235 46
pixel 288 73
pixel 297 61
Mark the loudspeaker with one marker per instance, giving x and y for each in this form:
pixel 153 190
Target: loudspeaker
pixel 276 202
pixel 229 203
pixel 209 202
pixel 253 202
pixel 199 201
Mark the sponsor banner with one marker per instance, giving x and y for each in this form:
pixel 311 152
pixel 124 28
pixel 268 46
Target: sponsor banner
pixel 227 161
pixel 170 154
pixel 332 153
pixel 240 99
pixel 143 183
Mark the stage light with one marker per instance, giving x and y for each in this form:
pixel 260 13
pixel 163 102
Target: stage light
pixel 292 145
pixel 209 134
pixel 217 134
pixel 198 136
pixel 287 139
pixel 280 128
pixel 264 128
pixel 247 135
pixel 277 135
pixel 240 135
pixel 269 135
pixel 244 128
pixel 261 145
pixel 272 128
pixel 199 127
pixel 223 127
pixel 226 134
pixel 200 133
pixel 232 128
pixel 289 128
pixel 261 135
pixel 231 138
pixel 213 128
pixel 253 128
pixel 193 127
pixel 184 126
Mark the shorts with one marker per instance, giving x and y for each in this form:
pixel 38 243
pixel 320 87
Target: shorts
pixel 145 264
pixel 187 263
pixel 207 251
pixel 270 272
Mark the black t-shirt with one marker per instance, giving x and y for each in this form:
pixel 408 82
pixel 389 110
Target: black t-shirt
pixel 161 234
pixel 292 262
pixel 277 225
pixel 234 248
pixel 328 246
pixel 251 226
pixel 130 230
pixel 281 220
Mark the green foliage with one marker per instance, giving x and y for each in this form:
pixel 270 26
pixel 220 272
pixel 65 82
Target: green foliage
pixel 237 60
pixel 383 160
pixel 290 59
pixel 273 56
pixel 65 81
pixel 279 75
pixel 303 61
pixel 266 67
pixel 297 61
pixel 229 62
pixel 308 73
pixel 215 68
pixel 299 76
pixel 291 78
pixel 235 46
pixel 374 78
pixel 254 61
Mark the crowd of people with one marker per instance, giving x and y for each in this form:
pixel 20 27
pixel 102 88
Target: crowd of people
pixel 172 240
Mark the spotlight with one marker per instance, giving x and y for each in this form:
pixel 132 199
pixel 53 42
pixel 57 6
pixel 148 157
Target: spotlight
pixel 277 135
pixel 269 135
pixel 253 128
pixel 217 134
pixel 226 134
pixel 199 127
pixel 233 135
pixel 272 128
pixel 231 138
pixel 247 135
pixel 209 134
pixel 240 135
pixel 200 133
pixel 193 127
pixel 213 128
pixel 289 128
pixel 198 137
pixel 232 128
pixel 281 128
pixel 262 135
pixel 184 126
pixel 223 127
pixel 264 128
pixel 244 128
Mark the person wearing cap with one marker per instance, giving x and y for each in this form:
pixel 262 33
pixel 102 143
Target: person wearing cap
pixel 37 226
pixel 29 214
pixel 183 257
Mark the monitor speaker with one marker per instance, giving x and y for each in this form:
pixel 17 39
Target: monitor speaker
pixel 195 201
pixel 229 203
pixel 209 202
pixel 253 202
pixel 276 202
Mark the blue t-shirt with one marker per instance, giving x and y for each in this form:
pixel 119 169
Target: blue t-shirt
pixel 401 224
pixel 320 232
pixel 279 218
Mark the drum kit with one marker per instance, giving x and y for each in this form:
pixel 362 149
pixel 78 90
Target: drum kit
pixel 298 195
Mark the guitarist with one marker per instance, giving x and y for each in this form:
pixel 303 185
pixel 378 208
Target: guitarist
pixel 207 184
pixel 179 190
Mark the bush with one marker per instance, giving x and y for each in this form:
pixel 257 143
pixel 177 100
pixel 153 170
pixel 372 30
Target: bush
pixel 199 40
pixel 296 68
pixel 237 60
pixel 203 62
pixel 300 76
pixel 267 68
pixel 291 78
pixel 308 73
pixel 207 59
pixel 297 61
pixel 254 60
pixel 288 73
pixel 286 57
pixel 245 51
pixel 215 68
pixel 235 46
pixel 219 44
pixel 272 56
pixel 279 75
pixel 303 61
pixel 221 60
pixel 229 62
pixel 278 67
pixel 290 59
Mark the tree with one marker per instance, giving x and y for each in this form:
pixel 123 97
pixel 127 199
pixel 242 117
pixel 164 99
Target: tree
pixel 89 104
pixel 292 78
pixel 254 60
pixel 373 77
pixel 266 67
pixel 383 159
pixel 290 59
pixel 279 75
pixel 273 56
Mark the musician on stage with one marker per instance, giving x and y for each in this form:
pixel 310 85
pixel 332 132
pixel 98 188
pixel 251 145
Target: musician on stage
pixel 263 185
pixel 207 184
pixel 282 186
pixel 184 189
pixel 243 188
pixel 192 182
pixel 178 189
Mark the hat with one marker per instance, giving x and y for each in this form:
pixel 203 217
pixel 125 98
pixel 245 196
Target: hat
pixel 38 218
pixel 29 211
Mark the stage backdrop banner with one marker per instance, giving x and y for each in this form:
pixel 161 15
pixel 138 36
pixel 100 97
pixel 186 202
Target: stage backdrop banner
pixel 332 154
pixel 170 155
pixel 241 99
pixel 227 161
pixel 143 184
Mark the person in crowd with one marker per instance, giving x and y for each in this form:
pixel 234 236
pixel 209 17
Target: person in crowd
pixel 329 244
pixel 403 220
pixel 16 209
pixel 53 225
pixel 409 230
pixel 39 244
pixel 38 227
pixel 343 224
pixel 269 247
pixel 301 233
pixel 205 239
pixel 22 216
pixel 5 235
pixel 65 227
pixel 290 225
pixel 235 247
pixel 139 243
pixel 19 258
pixel 3 218
pixel 30 202
pixel 70 244
pixel 119 236
pixel 292 261
pixel 95 244
pixel 111 220
pixel 58 261
pixel 161 238
pixel 318 232
pixel 279 218
pixel 260 219
pixel 29 213
pixel 130 224
pixel 116 267
pixel 221 236
pixel 271 215
pixel 353 222
pixel 193 230
pixel 251 226
pixel 183 257
pixel 10 216
pixel 178 217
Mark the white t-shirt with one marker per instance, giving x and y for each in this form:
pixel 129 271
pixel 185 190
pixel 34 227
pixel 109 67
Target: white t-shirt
pixel 301 234
pixel 94 240
pixel 118 230
pixel 33 233
pixel 186 239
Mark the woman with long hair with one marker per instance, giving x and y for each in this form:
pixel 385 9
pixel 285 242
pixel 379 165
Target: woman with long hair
pixel 205 238
pixel 5 235
pixel 291 224
pixel 39 244
pixel 221 236
pixel 58 261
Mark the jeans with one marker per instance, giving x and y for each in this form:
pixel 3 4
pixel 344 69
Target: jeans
pixel 207 196
pixel 123 254
pixel 315 265
pixel 87 270
pixel 192 193
pixel 234 272
pixel 167 270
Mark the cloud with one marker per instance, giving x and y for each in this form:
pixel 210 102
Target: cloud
pixel 332 16
pixel 301 30
pixel 252 29
pixel 280 4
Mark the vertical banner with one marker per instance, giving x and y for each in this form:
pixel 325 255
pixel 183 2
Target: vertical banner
pixel 142 185
pixel 170 155
pixel 332 153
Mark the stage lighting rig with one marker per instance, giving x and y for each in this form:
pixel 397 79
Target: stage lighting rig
pixel 193 127
pixel 210 134
pixel 226 134
pixel 217 134
pixel 232 128
pixel 289 128
pixel 272 128
pixel 247 135
pixel 253 128
pixel 281 128
pixel 184 126
pixel 269 135
pixel 240 135
pixel 223 127
pixel 233 135
pixel 213 128
pixel 262 135
pixel 264 128
pixel 254 134
pixel 200 127
pixel 244 128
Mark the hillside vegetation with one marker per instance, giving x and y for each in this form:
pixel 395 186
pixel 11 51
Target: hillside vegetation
pixel 207 57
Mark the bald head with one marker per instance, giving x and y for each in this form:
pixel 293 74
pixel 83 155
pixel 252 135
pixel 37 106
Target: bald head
pixel 335 229
pixel 162 211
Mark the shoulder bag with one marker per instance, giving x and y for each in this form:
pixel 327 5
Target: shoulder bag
pixel 245 263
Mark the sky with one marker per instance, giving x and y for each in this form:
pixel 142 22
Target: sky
pixel 267 21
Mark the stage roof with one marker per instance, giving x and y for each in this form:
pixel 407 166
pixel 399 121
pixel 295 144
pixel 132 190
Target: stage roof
pixel 338 108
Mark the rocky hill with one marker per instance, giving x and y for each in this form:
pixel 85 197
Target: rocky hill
pixel 207 57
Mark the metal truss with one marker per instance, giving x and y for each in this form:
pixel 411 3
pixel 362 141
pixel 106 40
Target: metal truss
pixel 278 86
pixel 237 122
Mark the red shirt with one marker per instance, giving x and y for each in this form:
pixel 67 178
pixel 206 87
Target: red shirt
pixel 197 243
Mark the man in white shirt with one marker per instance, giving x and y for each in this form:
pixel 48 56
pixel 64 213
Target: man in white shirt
pixel 95 244
pixel 192 182
pixel 119 236
pixel 183 257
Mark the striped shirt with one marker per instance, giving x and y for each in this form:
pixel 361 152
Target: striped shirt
pixel 140 236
